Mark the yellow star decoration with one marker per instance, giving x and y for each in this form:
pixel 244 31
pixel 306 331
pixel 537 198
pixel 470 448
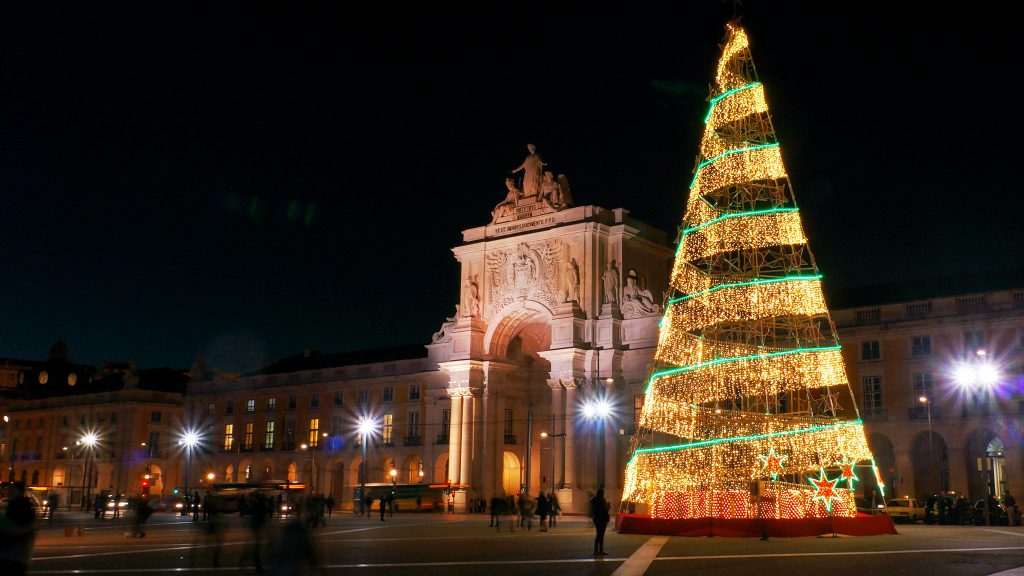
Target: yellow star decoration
pixel 847 473
pixel 825 489
pixel 772 463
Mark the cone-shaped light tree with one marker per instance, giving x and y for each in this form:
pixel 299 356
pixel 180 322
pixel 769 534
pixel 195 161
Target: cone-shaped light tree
pixel 749 413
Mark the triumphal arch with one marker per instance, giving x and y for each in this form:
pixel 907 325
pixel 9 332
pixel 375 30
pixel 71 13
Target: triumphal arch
pixel 558 311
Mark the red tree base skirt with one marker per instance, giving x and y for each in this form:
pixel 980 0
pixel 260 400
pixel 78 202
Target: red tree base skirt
pixel 860 525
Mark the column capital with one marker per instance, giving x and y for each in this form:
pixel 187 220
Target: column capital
pixel 570 383
pixel 464 392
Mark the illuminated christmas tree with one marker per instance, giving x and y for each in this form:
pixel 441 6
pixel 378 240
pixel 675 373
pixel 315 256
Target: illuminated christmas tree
pixel 749 413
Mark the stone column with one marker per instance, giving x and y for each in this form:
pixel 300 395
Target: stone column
pixel 455 437
pixel 612 472
pixel 466 438
pixel 570 433
pixel 557 448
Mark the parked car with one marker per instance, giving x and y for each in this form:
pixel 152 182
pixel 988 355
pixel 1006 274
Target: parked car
pixel 905 510
pixel 997 515
pixel 864 506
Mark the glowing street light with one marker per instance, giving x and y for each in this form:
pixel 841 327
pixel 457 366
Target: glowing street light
pixel 189 439
pixel 89 440
pixel 599 409
pixel 366 427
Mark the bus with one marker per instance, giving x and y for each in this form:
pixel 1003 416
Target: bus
pixel 228 496
pixel 428 496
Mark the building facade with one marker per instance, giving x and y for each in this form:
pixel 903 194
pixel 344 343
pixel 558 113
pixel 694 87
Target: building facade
pixel 939 386
pixel 558 307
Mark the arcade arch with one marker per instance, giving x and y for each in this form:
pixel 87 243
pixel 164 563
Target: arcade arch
pixel 511 473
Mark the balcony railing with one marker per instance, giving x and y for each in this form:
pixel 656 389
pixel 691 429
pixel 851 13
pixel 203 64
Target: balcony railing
pixel 442 439
pixel 874 414
pixel 413 441
pixel 510 438
pixel 921 413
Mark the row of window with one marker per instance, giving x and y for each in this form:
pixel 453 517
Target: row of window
pixel 314 436
pixel 921 345
pixel 270 405
pixel 873 395
pixel 83 420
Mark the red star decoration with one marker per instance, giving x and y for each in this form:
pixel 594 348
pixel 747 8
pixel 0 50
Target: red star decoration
pixel 847 472
pixel 772 463
pixel 825 489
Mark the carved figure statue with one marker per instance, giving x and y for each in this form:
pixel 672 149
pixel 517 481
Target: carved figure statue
pixel 639 295
pixel 531 168
pixel 474 298
pixel 611 283
pixel 549 193
pixel 564 193
pixel 572 281
pixel 509 203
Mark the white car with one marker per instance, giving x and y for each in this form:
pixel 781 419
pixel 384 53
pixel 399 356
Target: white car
pixel 905 510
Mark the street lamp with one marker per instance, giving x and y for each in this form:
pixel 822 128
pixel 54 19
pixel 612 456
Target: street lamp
pixel 394 489
pixel 599 409
pixel 552 438
pixel 973 374
pixel 89 440
pixel 366 427
pixel 189 440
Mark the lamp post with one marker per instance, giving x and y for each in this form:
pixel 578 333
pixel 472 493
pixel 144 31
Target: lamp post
pixel 189 440
pixel 599 409
pixel 552 447
pixel 394 490
pixel 931 451
pixel 89 440
pixel 973 374
pixel 366 427
pixel 14 456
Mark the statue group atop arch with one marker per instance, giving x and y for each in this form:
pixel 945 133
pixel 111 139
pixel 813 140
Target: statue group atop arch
pixel 537 192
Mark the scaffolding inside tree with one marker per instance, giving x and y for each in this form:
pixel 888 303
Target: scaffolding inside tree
pixel 746 414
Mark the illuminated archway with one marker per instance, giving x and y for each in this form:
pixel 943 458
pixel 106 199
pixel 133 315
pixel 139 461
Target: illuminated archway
pixel 511 473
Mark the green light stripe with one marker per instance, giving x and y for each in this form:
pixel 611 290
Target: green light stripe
pixel 704 443
pixel 716 361
pixel 723 95
pixel 728 153
pixel 734 215
pixel 740 284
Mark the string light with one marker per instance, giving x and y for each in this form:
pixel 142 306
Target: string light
pixel 732 412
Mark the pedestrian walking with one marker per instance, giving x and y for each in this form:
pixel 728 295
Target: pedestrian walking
pixel 542 511
pixel 256 524
pixel 142 513
pixel 52 504
pixel 330 506
pixel 599 508
pixel 369 506
pixel 383 507
pixel 17 532
pixel 555 508
pixel 496 503
pixel 207 505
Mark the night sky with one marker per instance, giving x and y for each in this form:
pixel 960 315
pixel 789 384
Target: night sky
pixel 255 181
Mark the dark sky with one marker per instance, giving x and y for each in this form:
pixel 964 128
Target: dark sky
pixel 254 180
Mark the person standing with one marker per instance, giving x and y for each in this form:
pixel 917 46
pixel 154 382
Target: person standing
pixel 383 507
pixel 330 506
pixel 599 508
pixel 17 532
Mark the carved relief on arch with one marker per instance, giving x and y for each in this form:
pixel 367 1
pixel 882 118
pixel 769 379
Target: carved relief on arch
pixel 527 272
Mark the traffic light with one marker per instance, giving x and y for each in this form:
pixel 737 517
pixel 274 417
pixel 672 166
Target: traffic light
pixel 144 487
